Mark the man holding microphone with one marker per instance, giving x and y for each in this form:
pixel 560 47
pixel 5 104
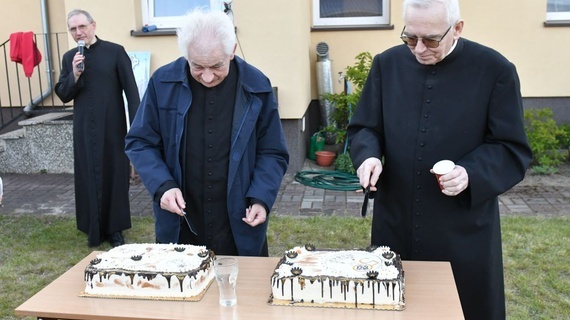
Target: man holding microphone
pixel 94 76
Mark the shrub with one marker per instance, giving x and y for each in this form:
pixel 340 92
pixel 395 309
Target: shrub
pixel 544 137
pixel 344 103
pixel 564 136
pixel 343 163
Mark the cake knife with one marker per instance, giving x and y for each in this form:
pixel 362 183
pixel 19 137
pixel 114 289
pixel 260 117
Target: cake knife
pixel 365 203
pixel 189 224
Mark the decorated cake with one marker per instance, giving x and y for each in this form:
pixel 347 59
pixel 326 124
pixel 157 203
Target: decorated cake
pixel 363 279
pixel 150 271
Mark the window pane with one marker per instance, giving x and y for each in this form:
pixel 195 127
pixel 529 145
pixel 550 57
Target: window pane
pixel 350 8
pixel 172 8
pixel 558 6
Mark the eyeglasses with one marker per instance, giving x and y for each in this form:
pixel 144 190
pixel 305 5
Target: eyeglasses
pixel 430 43
pixel 81 28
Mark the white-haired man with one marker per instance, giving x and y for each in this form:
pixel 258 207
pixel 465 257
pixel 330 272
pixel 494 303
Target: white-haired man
pixel 439 96
pixel 208 144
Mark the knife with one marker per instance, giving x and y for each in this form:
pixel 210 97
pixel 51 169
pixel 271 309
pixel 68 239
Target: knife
pixel 189 223
pixel 366 198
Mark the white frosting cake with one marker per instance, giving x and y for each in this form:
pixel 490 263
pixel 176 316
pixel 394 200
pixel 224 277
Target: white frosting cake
pixel 368 279
pixel 151 271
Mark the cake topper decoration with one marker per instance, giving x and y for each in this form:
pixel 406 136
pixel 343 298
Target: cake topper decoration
pixel 292 254
pixel 371 248
pixel 296 271
pixel 179 249
pixel 95 261
pixel 388 255
pixel 372 274
pixel 137 257
pixel 310 247
pixel 203 254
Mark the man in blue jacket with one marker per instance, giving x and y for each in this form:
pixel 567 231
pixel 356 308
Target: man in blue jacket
pixel 208 144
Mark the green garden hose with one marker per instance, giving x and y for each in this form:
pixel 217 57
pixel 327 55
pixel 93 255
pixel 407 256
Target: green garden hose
pixel 328 179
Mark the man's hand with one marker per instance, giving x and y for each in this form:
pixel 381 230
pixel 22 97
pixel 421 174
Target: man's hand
pixel 454 182
pixel 173 201
pixel 77 60
pixel 369 172
pixel 255 215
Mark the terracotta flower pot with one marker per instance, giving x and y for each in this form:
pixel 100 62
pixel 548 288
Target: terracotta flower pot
pixel 325 158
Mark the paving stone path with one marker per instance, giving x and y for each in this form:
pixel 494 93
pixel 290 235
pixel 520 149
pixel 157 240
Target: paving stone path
pixel 53 194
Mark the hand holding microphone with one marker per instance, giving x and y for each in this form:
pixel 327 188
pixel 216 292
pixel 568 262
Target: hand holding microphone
pixel 80 49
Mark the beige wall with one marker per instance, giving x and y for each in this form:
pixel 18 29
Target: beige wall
pixel 275 36
pixel 24 16
pixel 513 27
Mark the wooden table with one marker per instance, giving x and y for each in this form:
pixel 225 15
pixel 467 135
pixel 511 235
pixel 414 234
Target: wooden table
pixel 430 294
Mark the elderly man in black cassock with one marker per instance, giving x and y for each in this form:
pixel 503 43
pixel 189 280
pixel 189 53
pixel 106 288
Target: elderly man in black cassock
pixel 95 81
pixel 439 96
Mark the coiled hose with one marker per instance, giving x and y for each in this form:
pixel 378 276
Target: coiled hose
pixel 328 179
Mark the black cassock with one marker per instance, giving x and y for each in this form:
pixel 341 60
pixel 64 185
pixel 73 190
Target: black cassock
pixel 101 167
pixel 468 109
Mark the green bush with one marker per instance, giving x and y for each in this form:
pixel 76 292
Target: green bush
pixel 564 137
pixel 344 103
pixel 343 106
pixel 544 137
pixel 343 163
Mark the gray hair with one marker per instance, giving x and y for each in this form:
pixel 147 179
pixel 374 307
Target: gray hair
pixel 204 27
pixel 79 11
pixel 451 8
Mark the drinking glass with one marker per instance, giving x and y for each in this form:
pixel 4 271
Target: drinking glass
pixel 226 272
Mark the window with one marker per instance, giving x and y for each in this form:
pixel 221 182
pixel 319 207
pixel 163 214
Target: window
pixel 350 13
pixel 169 13
pixel 557 10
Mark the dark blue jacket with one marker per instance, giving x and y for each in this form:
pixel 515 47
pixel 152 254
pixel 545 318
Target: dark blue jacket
pixel 258 153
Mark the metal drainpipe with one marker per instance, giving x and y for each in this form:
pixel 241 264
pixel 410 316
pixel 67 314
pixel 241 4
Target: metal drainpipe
pixel 47 54
pixel 324 82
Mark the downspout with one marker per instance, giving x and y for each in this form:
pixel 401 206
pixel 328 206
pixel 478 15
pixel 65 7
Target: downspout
pixel 47 54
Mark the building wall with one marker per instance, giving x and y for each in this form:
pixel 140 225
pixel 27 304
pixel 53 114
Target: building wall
pixel 512 27
pixel 276 37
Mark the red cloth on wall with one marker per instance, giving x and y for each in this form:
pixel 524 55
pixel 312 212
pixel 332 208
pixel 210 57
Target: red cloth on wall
pixel 23 50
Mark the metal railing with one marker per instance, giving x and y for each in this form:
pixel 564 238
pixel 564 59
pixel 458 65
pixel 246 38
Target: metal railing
pixel 22 96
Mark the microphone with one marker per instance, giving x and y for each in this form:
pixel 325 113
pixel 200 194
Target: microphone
pixel 80 49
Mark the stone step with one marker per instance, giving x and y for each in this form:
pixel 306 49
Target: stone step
pixel 44 144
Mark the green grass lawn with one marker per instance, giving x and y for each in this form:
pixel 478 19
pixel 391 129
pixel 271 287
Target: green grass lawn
pixel 36 250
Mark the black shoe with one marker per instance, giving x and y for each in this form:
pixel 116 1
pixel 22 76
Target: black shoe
pixel 116 239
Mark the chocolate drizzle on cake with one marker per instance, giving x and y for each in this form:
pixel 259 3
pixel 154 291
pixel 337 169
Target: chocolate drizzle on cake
pixel 96 267
pixel 380 285
pixel 167 276
pixel 181 280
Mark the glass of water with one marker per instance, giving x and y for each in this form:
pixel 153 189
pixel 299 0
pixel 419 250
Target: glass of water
pixel 226 271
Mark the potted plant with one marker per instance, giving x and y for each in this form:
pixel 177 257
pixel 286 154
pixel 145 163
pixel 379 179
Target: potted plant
pixel 325 158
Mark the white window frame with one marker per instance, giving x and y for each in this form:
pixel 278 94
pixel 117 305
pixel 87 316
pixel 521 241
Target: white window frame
pixel 558 16
pixel 170 22
pixel 351 21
